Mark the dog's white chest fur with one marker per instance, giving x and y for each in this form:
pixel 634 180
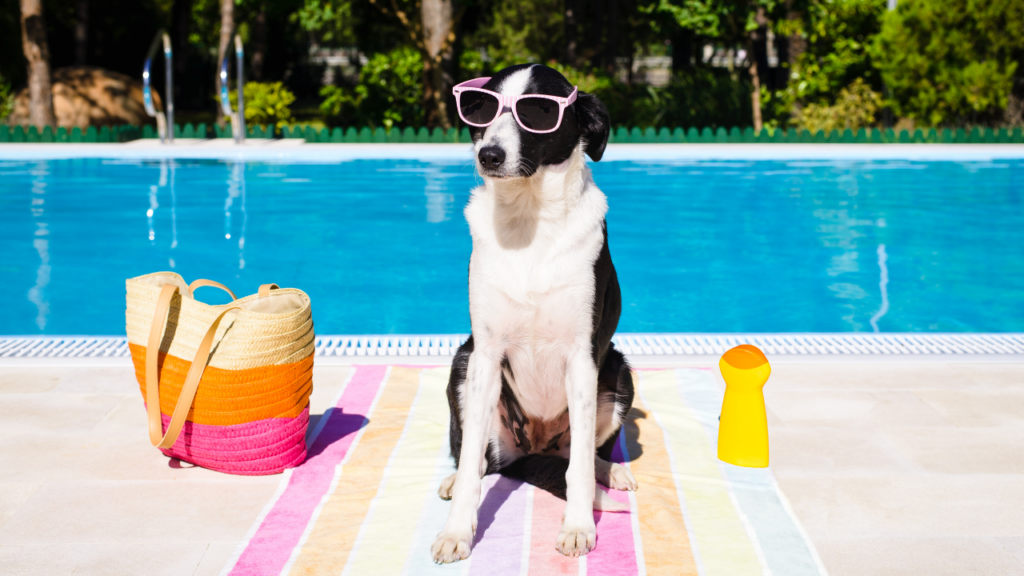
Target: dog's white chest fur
pixel 531 277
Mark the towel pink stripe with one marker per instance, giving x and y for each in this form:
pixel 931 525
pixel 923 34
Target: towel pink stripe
pixel 544 529
pixel 615 554
pixel 272 545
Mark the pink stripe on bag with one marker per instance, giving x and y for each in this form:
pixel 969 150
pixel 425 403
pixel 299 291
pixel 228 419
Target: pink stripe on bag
pixel 257 448
pixel 270 547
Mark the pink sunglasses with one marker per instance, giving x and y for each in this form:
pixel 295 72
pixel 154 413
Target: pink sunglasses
pixel 534 112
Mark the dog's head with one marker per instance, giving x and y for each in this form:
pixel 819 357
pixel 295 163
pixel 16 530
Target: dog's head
pixel 505 150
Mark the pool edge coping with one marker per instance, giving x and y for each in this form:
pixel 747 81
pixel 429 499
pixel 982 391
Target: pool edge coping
pixel 642 349
pixel 298 151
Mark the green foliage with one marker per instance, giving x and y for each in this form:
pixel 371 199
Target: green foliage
pixel 389 93
pixel 838 34
pixel 520 32
pixel 6 99
pixel 265 103
pixel 329 21
pixel 950 61
pixel 703 97
pixel 855 108
pixel 722 19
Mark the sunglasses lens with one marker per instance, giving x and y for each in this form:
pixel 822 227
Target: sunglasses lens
pixel 477 107
pixel 538 113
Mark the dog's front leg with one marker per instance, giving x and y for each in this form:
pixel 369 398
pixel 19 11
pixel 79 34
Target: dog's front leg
pixel 578 534
pixel 480 400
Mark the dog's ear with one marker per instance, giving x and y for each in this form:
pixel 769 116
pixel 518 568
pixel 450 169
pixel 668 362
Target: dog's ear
pixel 593 124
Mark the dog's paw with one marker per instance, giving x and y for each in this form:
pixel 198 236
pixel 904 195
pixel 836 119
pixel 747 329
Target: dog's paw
pixel 451 547
pixel 576 540
pixel 445 491
pixel 620 478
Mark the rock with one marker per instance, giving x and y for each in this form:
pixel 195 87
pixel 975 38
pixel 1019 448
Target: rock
pixel 86 96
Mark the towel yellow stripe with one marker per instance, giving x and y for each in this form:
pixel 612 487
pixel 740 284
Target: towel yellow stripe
pixel 722 542
pixel 327 548
pixel 388 532
pixel 666 546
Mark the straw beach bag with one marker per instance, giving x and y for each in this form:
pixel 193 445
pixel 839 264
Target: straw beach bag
pixel 230 384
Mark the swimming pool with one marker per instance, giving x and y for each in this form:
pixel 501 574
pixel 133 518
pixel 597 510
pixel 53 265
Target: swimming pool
pixel 381 245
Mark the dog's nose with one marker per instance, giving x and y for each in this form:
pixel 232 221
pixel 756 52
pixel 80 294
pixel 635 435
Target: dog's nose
pixel 491 157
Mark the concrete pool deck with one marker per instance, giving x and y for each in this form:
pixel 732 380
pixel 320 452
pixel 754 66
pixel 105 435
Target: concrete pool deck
pixel 893 466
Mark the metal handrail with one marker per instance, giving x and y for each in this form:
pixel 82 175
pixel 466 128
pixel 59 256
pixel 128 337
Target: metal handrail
pixel 237 118
pixel 162 120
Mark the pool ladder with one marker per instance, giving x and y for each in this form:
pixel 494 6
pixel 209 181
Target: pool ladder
pixel 237 118
pixel 162 122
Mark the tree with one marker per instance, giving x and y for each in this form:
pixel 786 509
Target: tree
pixel 259 38
pixel 432 32
pixel 81 32
pixel 734 23
pixel 950 61
pixel 37 53
pixel 828 42
pixel 181 12
pixel 227 29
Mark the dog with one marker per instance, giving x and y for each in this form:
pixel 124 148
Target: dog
pixel 538 392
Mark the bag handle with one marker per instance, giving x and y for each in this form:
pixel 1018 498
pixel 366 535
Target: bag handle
pixel 203 282
pixel 188 391
pixel 266 288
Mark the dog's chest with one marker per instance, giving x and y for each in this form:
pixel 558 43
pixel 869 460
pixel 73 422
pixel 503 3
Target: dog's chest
pixel 536 306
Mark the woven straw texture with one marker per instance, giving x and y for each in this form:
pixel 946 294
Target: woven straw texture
pixel 251 408
pixel 245 338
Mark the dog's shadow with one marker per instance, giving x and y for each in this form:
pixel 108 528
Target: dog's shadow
pixel 632 432
pixel 493 501
pixel 504 487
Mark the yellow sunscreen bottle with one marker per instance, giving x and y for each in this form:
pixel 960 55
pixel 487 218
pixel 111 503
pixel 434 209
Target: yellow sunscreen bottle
pixel 743 427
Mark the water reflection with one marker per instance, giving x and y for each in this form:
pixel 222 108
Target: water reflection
pixel 37 294
pixel 236 189
pixel 166 182
pixel 883 286
pixel 842 227
pixel 439 201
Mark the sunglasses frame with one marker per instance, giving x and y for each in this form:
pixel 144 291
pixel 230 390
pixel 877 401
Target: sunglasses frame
pixel 510 103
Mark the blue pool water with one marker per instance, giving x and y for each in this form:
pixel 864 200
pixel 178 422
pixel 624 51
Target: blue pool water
pixel 382 247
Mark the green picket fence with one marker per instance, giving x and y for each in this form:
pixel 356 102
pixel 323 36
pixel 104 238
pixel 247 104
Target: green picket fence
pixel 367 135
pixel 976 135
pixel 622 135
pixel 92 134
pixel 201 130
pixel 256 131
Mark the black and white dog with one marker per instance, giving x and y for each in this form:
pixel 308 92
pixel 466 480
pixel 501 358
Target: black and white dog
pixel 538 392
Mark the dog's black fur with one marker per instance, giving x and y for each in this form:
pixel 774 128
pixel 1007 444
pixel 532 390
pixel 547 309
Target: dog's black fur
pixel 586 120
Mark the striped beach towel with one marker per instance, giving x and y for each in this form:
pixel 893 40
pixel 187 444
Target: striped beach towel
pixel 365 501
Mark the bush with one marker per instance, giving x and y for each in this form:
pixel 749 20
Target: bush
pixel 838 35
pixel 389 93
pixel 855 108
pixel 701 97
pixel 6 99
pixel 950 61
pixel 266 103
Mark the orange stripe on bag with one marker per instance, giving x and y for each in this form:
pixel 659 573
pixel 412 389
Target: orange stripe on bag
pixel 270 391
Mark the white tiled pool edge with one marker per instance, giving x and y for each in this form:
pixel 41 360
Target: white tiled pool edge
pixel 653 347
pixel 298 151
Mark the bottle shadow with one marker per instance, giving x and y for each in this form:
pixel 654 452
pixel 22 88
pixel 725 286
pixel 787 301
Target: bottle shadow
pixel 336 426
